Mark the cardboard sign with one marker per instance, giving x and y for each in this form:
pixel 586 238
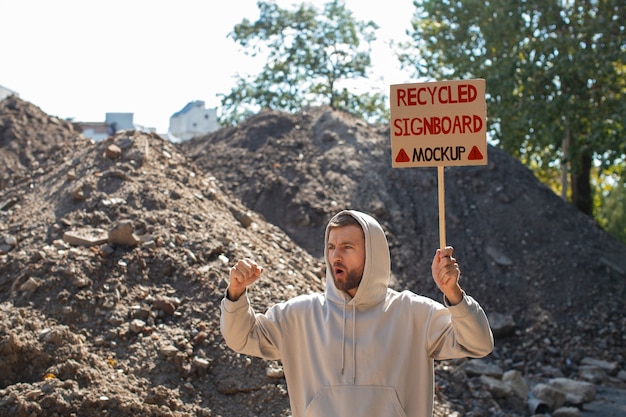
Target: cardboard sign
pixel 438 124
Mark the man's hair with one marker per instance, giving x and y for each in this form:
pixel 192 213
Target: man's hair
pixel 342 220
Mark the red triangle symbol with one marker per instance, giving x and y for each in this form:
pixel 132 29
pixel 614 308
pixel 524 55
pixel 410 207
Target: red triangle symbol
pixel 475 154
pixel 402 156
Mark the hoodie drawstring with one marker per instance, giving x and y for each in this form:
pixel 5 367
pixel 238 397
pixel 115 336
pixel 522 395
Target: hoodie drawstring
pixel 343 341
pixel 353 343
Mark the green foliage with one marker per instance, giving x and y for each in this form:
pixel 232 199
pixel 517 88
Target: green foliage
pixel 309 53
pixel 554 71
pixel 612 210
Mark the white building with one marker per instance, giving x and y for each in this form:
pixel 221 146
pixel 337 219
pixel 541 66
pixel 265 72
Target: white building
pixel 119 121
pixel 113 122
pixel 193 120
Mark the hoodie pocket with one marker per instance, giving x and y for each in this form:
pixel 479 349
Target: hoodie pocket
pixel 355 401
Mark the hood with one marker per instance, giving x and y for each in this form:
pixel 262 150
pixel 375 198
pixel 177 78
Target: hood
pixel 377 268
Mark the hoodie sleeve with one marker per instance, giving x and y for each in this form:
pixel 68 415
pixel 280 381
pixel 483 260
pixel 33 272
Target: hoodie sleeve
pixel 246 331
pixel 458 331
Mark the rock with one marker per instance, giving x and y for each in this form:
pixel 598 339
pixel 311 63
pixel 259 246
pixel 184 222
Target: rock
pixel 274 371
pixel 31 285
pixel 7 204
pixel 115 201
pixel 78 194
pixel 106 250
pixel 538 407
pixel 610 367
pixel 242 217
pixel 515 380
pixel 61 244
pixel 85 237
pixel 567 412
pixel 477 367
pixel 200 363
pixel 80 281
pixel 502 325
pixel 552 397
pixel 56 335
pixel 137 326
pixel 498 256
pixel 141 312
pixel 577 392
pixel 594 374
pixel 169 351
pixel 11 241
pixel 113 151
pixel 167 305
pixel 123 234
pixel 199 338
pixel 497 388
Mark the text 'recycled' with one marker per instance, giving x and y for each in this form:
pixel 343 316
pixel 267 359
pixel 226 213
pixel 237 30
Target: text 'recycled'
pixel 436 95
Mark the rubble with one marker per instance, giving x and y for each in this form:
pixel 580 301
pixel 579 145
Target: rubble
pixel 114 257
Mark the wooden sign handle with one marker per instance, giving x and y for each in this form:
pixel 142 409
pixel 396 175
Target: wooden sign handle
pixel 442 208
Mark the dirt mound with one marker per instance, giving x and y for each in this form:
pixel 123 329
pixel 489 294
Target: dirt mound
pixel 113 259
pixel 30 140
pixel 91 323
pixel 522 248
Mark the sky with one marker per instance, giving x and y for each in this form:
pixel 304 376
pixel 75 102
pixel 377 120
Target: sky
pixel 81 59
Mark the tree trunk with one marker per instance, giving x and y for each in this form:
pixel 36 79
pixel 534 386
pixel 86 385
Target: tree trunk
pixel 564 164
pixel 582 198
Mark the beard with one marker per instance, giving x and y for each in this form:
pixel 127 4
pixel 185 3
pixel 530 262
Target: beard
pixel 351 280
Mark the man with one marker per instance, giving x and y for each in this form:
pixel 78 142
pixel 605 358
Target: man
pixel 360 348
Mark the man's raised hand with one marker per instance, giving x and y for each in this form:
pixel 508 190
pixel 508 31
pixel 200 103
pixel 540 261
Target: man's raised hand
pixel 242 275
pixel 446 274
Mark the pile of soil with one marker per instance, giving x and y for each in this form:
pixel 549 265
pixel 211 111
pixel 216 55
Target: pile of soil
pixel 114 258
pixel 522 250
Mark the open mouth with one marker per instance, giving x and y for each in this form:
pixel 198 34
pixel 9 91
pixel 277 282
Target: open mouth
pixel 338 271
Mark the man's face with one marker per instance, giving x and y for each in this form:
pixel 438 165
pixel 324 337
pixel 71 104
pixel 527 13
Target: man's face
pixel 346 255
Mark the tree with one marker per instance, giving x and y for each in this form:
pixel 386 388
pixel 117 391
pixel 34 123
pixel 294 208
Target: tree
pixel 554 71
pixel 309 54
pixel 612 212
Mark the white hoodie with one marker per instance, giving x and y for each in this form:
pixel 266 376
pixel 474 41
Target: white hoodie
pixel 371 355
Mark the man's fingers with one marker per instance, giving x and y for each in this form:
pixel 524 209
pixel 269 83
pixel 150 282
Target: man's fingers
pixel 245 270
pixel 240 273
pixel 449 270
pixel 446 252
